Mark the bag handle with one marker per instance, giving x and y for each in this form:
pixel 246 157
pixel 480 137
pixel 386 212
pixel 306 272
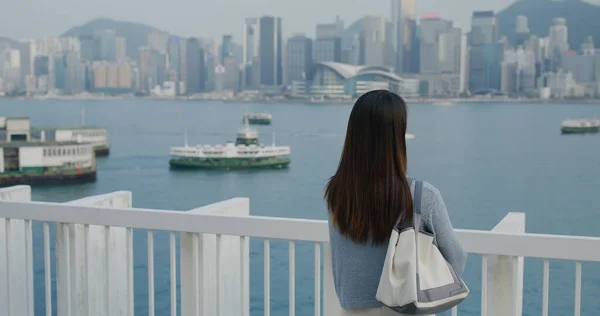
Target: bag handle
pixel 417 205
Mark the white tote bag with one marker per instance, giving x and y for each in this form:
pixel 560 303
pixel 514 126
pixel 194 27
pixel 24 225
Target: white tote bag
pixel 416 279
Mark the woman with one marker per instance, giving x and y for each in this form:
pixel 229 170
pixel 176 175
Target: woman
pixel 368 194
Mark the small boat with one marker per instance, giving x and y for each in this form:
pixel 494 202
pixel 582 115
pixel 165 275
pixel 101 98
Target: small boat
pixel 258 118
pixel 581 126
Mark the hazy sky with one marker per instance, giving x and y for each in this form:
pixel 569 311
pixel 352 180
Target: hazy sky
pixel 21 19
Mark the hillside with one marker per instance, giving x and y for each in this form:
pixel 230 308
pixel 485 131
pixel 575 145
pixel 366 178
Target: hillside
pixel 582 18
pixel 8 42
pixel 136 34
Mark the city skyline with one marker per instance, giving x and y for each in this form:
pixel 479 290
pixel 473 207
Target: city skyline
pixel 426 55
pixel 210 22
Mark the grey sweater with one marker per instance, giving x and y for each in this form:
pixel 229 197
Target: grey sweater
pixel 357 268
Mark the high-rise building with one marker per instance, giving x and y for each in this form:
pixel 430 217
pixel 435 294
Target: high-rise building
pixel 329 30
pixel 145 70
pixel 174 62
pixel 121 49
pixel 271 66
pixel 486 53
pixel 106 45
pixel 41 66
pixel 328 43
pixel 298 58
pixel 231 75
pixel 484 28
pixel 59 72
pixel 522 25
pixel 372 38
pixel 404 24
pixel 431 28
pixel 195 67
pixel 451 51
pixel 157 41
pixel 87 47
pixel 212 62
pixel 182 67
pixel 112 77
pixel 75 73
pixel 226 47
pixel 559 38
pixel 250 40
pixel 27 55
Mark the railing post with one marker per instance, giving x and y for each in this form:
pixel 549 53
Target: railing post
pixel 505 274
pixel 331 304
pixel 81 286
pixel 21 279
pixel 201 286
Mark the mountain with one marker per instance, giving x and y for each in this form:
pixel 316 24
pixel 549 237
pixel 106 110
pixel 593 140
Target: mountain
pixel 136 34
pixel 8 42
pixel 582 19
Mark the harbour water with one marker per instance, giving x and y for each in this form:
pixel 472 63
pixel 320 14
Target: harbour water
pixel 486 159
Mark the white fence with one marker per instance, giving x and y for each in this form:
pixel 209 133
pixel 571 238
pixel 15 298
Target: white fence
pixel 94 257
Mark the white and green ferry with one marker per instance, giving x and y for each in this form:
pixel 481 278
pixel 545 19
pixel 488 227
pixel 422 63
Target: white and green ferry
pixel 245 153
pixel 258 118
pixel 581 126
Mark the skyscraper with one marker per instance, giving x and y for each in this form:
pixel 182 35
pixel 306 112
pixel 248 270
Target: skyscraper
pixel 432 26
pixel 451 51
pixel 121 49
pixel 404 23
pixel 157 40
pixel 250 40
pixel 298 58
pixel 372 38
pixel 145 71
pixel 60 72
pixel 231 74
pixel 87 47
pixel 106 45
pixel 486 53
pixel 226 48
pixel 195 67
pixel 559 38
pixel 328 43
pixel 75 73
pixel 271 67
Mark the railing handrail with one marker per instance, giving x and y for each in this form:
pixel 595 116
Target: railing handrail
pixel 475 241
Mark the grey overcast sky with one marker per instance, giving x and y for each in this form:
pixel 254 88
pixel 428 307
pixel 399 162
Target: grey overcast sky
pixel 22 19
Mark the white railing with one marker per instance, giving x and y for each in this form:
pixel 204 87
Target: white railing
pixel 94 257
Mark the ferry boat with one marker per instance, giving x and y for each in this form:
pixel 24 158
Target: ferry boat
pixel 258 118
pixel 245 153
pixel 33 163
pixel 580 126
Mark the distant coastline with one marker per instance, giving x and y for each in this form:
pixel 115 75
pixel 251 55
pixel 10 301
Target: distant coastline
pixel 448 101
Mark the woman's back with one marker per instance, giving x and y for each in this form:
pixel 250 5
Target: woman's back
pixel 357 267
pixel 370 194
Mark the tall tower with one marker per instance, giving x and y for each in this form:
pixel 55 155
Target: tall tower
pixel 271 66
pixel 404 23
pixel 250 40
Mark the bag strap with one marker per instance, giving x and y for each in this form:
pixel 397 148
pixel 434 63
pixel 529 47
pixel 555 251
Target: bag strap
pixel 417 205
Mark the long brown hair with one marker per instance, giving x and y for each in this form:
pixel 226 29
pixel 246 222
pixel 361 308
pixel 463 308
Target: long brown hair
pixel 369 192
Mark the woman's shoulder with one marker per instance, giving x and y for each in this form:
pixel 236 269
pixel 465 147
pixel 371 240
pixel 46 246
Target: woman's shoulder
pixel 431 200
pixel 430 191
